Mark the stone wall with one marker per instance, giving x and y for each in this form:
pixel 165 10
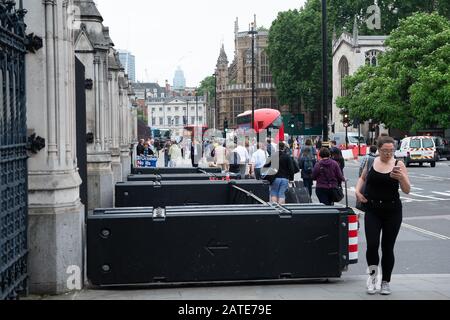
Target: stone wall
pixel 56 214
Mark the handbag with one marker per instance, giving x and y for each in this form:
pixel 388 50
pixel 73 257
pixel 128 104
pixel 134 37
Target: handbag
pixel 368 165
pixel 336 192
pixel 268 173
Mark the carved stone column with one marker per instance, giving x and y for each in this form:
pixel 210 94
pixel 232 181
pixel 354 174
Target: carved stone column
pixel 56 215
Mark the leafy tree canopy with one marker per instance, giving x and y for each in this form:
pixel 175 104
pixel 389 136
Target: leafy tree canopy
pixel 295 46
pixel 207 86
pixel 410 88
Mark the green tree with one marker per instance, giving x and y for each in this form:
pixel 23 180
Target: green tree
pixel 207 86
pixel 295 53
pixel 295 47
pixel 410 88
pixel 343 12
pixel 262 28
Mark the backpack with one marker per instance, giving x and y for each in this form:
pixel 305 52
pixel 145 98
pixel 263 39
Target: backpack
pixel 308 165
pixel 296 166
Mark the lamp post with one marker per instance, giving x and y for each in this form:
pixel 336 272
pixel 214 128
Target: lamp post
pixel 196 110
pixel 324 71
pixel 215 99
pixel 187 111
pixel 253 32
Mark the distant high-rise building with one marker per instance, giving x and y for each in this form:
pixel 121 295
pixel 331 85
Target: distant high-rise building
pixel 128 61
pixel 179 81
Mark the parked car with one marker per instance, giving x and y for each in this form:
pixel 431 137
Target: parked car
pixel 417 150
pixel 353 140
pixel 442 148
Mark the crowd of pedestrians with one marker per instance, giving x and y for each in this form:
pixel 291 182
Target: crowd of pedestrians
pixel 377 192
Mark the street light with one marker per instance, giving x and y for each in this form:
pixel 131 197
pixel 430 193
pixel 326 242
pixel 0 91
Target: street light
pixel 346 122
pixel 196 110
pixel 253 32
pixel 215 99
pixel 187 111
pixel 325 71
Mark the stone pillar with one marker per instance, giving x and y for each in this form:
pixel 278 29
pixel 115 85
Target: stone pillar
pixel 92 45
pixel 56 215
pixel 125 156
pixel 114 69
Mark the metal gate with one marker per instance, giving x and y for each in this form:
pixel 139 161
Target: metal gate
pixel 13 153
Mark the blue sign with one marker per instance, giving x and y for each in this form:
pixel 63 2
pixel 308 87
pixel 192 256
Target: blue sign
pixel 146 162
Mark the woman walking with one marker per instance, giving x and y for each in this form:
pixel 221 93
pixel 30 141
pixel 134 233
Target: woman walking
pixel 329 177
pixel 337 156
pixel 307 163
pixel 286 172
pixel 378 189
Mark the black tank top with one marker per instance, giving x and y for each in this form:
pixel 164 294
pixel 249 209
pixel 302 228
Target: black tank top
pixel 381 187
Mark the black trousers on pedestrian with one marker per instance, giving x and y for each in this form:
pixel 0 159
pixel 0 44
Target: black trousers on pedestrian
pixel 258 173
pixel 308 183
pixel 385 221
pixel 325 196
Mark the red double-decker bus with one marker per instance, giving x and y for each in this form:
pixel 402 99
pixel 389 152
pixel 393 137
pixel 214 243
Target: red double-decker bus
pixel 265 119
pixel 196 131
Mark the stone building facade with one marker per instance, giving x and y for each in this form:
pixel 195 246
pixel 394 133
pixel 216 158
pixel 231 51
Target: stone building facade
pixel 177 112
pixel 55 212
pixel 234 81
pixel 108 104
pixel 71 31
pixel 350 52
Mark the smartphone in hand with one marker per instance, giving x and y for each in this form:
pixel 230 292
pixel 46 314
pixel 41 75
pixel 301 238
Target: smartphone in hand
pixel 396 171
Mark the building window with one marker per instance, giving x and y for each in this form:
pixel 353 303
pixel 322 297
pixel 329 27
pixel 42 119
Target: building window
pixel 274 103
pixel 372 58
pixel 184 109
pixel 160 109
pixel 161 121
pixel 153 121
pixel 169 109
pixel 264 102
pixel 237 108
pixel 266 76
pixel 200 120
pixel 343 72
pixel 192 109
pixel 177 120
pixel 177 109
pixel 153 110
pixel 200 108
pixel 192 120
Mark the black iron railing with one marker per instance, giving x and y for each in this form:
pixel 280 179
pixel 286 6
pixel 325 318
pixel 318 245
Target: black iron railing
pixel 13 153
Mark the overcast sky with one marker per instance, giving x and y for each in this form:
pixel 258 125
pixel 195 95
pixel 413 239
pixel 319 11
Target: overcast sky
pixel 165 34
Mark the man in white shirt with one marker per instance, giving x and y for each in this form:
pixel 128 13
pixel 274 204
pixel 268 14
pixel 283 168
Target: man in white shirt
pixel 245 158
pixel 258 161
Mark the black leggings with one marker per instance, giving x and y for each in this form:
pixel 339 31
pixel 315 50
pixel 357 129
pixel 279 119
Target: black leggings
pixel 325 196
pixel 389 222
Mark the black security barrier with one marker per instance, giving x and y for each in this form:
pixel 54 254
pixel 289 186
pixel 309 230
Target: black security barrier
pixel 146 246
pixel 183 176
pixel 179 193
pixel 174 170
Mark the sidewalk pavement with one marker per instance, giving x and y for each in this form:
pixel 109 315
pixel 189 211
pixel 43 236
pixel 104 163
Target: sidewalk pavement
pixel 404 287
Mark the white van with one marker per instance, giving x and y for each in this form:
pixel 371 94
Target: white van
pixel 417 150
pixel 353 139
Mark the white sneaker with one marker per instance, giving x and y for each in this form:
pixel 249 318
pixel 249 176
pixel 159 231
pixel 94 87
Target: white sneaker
pixel 385 288
pixel 372 280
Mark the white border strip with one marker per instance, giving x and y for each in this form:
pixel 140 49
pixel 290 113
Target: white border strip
pixel 429 233
pixel 353 256
pixel 353 226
